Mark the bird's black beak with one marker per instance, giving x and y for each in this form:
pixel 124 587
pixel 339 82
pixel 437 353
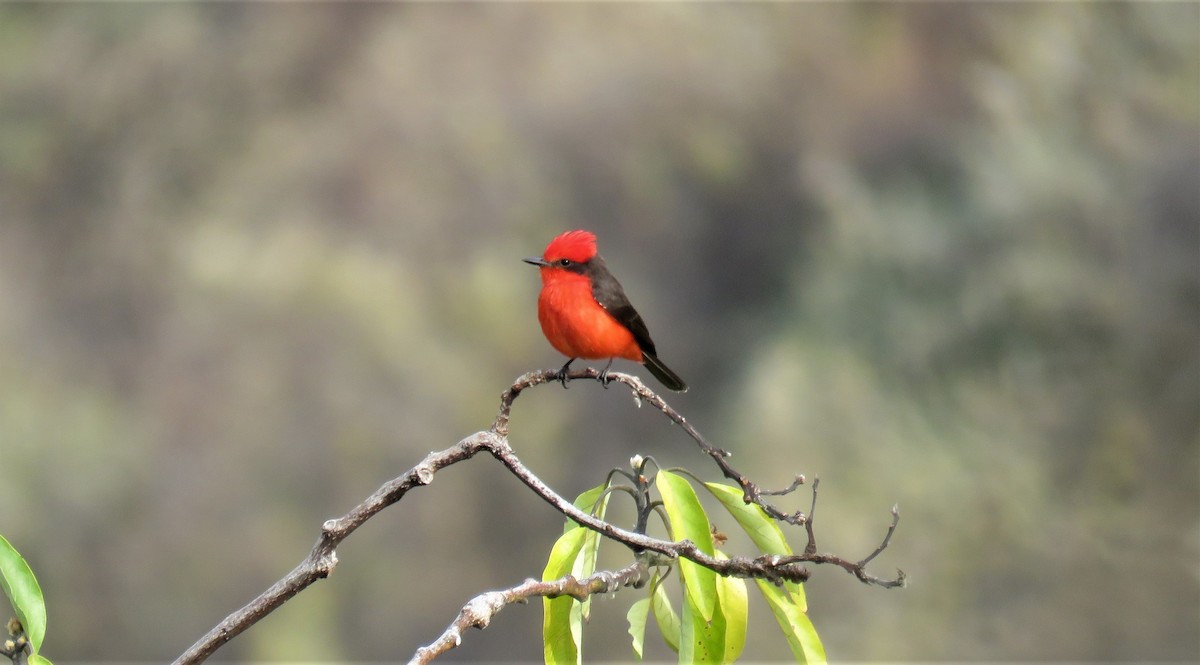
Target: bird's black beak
pixel 537 261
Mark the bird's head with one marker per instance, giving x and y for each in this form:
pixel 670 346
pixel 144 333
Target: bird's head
pixel 569 251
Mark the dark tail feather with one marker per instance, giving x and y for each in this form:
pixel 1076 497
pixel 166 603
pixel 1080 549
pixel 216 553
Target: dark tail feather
pixel 663 373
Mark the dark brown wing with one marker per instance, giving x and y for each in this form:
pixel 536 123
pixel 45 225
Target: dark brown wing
pixel 608 293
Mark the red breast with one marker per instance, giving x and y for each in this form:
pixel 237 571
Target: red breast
pixel 576 325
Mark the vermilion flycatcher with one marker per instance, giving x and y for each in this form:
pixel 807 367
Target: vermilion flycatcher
pixel 584 311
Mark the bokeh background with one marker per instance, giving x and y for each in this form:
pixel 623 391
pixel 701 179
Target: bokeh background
pixel 255 260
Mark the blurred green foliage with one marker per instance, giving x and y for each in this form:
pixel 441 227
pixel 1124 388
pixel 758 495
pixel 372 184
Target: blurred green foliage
pixel 257 259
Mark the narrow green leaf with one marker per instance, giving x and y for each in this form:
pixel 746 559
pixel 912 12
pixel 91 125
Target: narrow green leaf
pixel 636 616
pixel 688 521
pixel 664 614
pixel 687 632
pixel 735 608
pixel 585 563
pixel 701 641
pixel 795 591
pixel 573 554
pixel 37 659
pixel 23 591
pixel 561 621
pixel 721 639
pixel 794 622
pixel 763 531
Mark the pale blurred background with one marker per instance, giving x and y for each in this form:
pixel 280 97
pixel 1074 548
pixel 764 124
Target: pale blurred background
pixel 255 260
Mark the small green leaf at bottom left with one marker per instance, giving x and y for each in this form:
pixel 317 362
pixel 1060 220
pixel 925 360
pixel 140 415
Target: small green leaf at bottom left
pixel 21 588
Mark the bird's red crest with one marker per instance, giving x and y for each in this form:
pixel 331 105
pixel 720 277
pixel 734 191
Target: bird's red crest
pixel 578 246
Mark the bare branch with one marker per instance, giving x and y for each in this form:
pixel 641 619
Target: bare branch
pixel 811 547
pixel 787 490
pixel 855 568
pixel 322 559
pixel 479 611
pixel 752 493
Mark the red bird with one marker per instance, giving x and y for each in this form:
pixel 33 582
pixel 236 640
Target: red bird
pixel 584 312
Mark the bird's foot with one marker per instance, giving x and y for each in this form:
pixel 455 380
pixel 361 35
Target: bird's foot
pixel 561 377
pixel 604 378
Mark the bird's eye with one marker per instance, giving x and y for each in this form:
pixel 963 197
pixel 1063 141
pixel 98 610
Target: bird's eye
pixel 564 262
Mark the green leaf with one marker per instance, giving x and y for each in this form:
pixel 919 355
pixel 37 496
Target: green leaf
pixel 763 531
pixel 562 624
pixel 573 554
pixel 664 614
pixel 794 622
pixel 586 502
pixel 585 563
pixel 23 591
pixel 722 639
pixel 735 608
pixel 701 641
pixel 688 521
pixel 36 659
pixel 636 616
pixel 788 604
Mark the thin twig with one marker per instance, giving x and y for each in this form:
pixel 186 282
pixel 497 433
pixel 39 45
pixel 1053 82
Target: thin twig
pixel 811 547
pixel 480 610
pixel 787 490
pixel 856 568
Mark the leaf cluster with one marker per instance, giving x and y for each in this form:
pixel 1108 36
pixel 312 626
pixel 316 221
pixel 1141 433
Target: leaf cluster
pixel 712 625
